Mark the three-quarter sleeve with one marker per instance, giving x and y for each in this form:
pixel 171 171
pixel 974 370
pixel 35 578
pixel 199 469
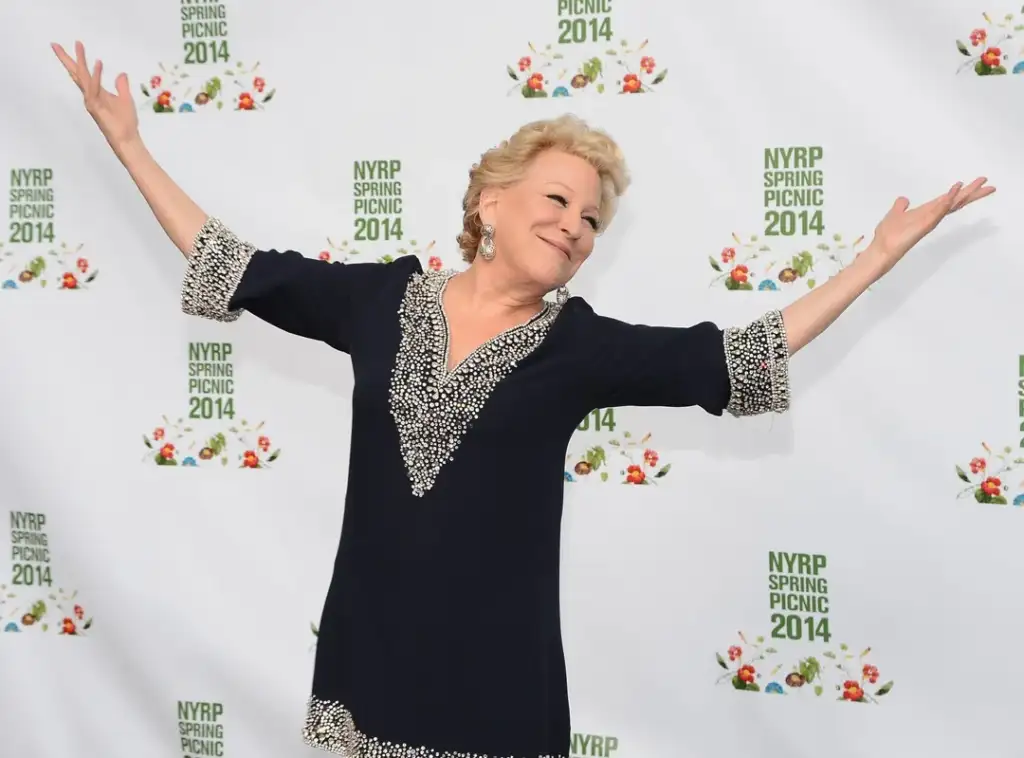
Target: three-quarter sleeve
pixel 741 370
pixel 227 276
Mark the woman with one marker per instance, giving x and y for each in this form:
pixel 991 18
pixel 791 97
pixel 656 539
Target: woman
pixel 440 633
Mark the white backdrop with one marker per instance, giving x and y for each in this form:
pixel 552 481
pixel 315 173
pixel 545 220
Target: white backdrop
pixel 198 590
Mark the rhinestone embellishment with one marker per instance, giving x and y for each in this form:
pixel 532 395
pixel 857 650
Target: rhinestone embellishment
pixel 216 263
pixel 433 407
pixel 329 726
pixel 757 357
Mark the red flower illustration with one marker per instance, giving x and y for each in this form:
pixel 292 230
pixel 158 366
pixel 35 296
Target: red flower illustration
pixel 79 612
pixel 259 83
pixel 69 282
pixel 977 465
pixel 524 63
pixel 263 443
pixel 635 475
pixel 992 485
pixel 991 56
pixel 870 673
pixel 536 81
pixel 434 263
pixel 164 99
pixel 728 254
pixel 852 690
pixel 250 460
pixel 167 451
pixel 155 82
pixel 651 457
pixel 735 652
pixel 740 274
pixel 245 102
pixel 978 37
pixel 647 64
pixel 68 627
pixel 746 673
pixel 83 265
pixel 325 256
pixel 630 83
pixel 158 433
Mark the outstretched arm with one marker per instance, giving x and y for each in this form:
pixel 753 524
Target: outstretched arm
pixel 897 233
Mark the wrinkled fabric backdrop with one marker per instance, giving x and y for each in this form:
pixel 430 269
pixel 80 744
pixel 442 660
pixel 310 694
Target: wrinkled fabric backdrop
pixel 175 487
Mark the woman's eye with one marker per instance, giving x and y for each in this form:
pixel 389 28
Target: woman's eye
pixel 559 198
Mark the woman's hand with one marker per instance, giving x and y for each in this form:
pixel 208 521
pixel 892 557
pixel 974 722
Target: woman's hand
pixel 115 114
pixel 901 228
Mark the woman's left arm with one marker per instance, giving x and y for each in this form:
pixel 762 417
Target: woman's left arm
pixel 895 235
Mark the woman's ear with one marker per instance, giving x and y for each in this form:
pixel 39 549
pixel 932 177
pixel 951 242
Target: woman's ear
pixel 488 204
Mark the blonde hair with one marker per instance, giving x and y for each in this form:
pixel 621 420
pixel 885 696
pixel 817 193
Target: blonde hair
pixel 505 164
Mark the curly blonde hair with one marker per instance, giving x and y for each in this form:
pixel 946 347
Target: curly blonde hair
pixel 505 164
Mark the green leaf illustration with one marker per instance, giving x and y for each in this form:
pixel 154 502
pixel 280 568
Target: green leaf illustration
pixel 600 89
pixel 885 689
pixel 312 626
pixel 998 500
pixel 604 476
pixel 161 461
pixel 146 442
pixel 270 95
pixel 811 283
pixel 962 48
pixel 663 470
pixel 274 455
pixel 963 475
pixel 714 263
pixel 818 689
pixel 660 77
pixel 87 625
pixel 512 73
pixel 721 661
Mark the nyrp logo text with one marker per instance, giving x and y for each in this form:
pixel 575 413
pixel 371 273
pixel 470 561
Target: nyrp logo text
pixel 30 252
pixel 206 80
pixel 792 249
pixel 589 57
pixel 987 47
pixel 594 745
pixel 210 436
pixel 200 728
pixel 31 602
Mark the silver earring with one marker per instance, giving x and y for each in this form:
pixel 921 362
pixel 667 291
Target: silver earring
pixel 486 246
pixel 562 295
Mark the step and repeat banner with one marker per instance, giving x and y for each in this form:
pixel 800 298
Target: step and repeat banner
pixel 840 580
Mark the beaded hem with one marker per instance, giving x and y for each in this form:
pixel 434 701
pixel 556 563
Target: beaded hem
pixel 433 407
pixel 757 357
pixel 216 264
pixel 330 726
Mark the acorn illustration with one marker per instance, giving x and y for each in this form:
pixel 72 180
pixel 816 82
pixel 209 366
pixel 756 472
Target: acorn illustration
pixel 206 453
pixel 580 81
pixel 583 468
pixel 28 619
pixel 26 276
pixel 788 275
pixel 202 98
pixel 795 680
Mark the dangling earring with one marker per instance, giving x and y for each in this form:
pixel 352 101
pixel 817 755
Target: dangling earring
pixel 486 246
pixel 562 295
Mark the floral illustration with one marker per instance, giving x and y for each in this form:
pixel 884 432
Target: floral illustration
pixel 175 444
pixel 544 73
pixel 850 676
pixel 64 267
pixel 63 615
pixel 635 461
pixel 752 264
pixel 174 90
pixel 985 49
pixel 344 252
pixel 988 472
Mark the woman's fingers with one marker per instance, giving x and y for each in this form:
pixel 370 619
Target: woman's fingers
pixel 94 84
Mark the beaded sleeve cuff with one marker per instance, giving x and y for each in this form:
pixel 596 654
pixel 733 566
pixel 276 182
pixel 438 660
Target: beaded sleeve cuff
pixel 757 357
pixel 215 267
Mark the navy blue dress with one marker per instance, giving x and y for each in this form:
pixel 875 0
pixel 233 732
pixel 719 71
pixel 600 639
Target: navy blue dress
pixel 440 635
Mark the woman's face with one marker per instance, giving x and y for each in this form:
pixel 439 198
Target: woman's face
pixel 544 226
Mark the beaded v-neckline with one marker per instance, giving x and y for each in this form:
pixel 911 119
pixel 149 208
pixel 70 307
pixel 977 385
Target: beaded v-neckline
pixel 447 370
pixel 433 407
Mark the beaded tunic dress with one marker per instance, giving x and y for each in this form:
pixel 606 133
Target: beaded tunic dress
pixel 440 634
